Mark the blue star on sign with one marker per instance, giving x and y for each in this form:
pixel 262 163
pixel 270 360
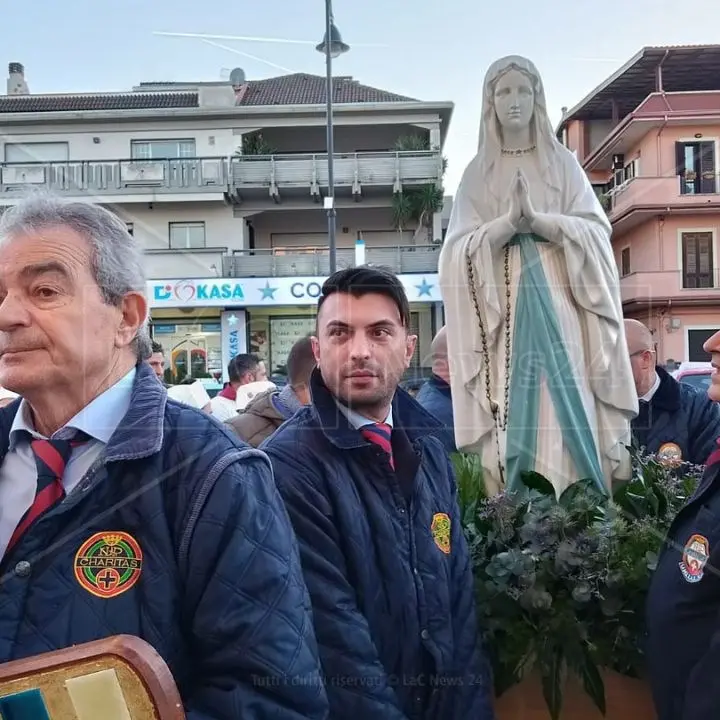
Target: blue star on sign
pixel 424 288
pixel 268 292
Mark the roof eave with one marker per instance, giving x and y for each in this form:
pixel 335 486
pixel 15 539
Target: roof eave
pixel 602 86
pixel 444 109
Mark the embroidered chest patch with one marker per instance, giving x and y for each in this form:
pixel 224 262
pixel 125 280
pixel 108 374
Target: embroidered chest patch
pixel 694 558
pixel 440 529
pixel 108 563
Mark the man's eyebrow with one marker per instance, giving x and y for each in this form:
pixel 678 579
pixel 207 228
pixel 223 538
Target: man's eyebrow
pixel 378 323
pixel 42 268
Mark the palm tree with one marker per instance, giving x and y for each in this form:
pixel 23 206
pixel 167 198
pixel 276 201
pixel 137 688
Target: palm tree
pixel 417 205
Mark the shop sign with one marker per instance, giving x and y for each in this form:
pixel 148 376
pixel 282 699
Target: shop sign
pixel 266 292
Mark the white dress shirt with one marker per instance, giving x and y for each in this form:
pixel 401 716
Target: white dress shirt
pixel 357 420
pixel 648 396
pixel 18 472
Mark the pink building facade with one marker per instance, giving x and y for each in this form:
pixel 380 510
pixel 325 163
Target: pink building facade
pixel 649 139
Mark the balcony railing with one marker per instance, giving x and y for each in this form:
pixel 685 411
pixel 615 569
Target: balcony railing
pixel 660 192
pixel 315 261
pixel 666 284
pixel 351 170
pixel 221 175
pixel 92 177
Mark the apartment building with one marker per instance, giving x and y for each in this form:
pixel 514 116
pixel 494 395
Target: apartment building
pixel 648 139
pixel 224 184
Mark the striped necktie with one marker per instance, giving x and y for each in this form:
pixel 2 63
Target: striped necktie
pixel 51 457
pixel 381 435
pixel 714 458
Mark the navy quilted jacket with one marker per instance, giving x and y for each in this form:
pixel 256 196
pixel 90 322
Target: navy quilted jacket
pixel 219 594
pixel 392 592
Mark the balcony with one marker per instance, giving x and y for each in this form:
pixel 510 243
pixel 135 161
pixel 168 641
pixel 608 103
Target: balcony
pixel 258 177
pixel 647 289
pixel 355 174
pixel 166 263
pixel 115 177
pixel 315 261
pixel 642 197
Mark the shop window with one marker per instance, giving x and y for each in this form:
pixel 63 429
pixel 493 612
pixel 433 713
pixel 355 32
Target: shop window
pixel 194 348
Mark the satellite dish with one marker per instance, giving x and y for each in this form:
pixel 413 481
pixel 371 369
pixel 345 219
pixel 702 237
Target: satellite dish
pixel 237 77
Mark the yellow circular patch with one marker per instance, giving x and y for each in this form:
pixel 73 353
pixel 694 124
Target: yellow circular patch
pixel 670 454
pixel 440 529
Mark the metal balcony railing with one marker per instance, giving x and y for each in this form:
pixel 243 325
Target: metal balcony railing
pixel 315 261
pixel 92 177
pixel 217 174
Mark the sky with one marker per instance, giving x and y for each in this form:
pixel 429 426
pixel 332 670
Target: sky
pixel 436 50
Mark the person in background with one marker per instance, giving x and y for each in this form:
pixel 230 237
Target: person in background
pixel 268 411
pixel 676 422
pixel 434 395
pixel 373 500
pixel 683 643
pixel 157 362
pixel 242 370
pixel 97 463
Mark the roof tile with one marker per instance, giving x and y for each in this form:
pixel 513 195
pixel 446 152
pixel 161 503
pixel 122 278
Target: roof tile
pixel 79 103
pixel 304 89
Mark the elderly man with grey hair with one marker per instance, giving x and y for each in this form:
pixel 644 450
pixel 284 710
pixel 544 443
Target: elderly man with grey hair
pixel 122 511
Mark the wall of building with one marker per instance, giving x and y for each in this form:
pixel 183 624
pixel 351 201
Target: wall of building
pixel 656 151
pixel 308 228
pixel 112 141
pixel 656 244
pixel 347 138
pixel 671 328
pixel 151 223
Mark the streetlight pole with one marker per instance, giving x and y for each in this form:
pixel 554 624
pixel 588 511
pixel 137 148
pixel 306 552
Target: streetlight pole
pixel 332 46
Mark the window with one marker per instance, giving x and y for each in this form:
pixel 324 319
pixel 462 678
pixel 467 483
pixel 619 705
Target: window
pixel 695 164
pixel 625 262
pixel 696 339
pixel 187 236
pixel 161 149
pixel 697 259
pixel 37 152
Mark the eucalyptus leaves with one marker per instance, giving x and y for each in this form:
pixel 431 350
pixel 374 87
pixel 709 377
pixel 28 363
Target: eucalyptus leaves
pixel 561 582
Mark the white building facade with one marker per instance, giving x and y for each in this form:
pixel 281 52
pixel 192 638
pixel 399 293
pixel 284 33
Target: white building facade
pixel 223 184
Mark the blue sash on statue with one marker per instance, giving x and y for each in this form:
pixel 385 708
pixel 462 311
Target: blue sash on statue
pixel 539 354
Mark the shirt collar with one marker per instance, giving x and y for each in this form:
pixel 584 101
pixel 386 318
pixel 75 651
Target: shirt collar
pixel 357 420
pixel 648 396
pixel 99 419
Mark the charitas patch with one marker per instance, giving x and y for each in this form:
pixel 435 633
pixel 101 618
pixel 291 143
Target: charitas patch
pixel 694 558
pixel 670 454
pixel 440 529
pixel 108 563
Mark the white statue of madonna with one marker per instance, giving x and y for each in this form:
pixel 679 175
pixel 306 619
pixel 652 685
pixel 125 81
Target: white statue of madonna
pixel 540 373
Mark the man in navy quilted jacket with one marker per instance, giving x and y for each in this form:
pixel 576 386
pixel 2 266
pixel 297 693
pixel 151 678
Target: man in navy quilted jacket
pixel 372 497
pixel 122 511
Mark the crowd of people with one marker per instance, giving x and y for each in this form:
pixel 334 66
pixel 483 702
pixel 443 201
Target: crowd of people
pixel 302 558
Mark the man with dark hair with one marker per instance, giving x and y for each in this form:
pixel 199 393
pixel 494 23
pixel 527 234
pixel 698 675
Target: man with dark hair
pixel 157 361
pixel 243 369
pixel 372 497
pixel 268 411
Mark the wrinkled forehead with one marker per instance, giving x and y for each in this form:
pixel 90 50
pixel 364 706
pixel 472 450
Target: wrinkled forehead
pixel 52 242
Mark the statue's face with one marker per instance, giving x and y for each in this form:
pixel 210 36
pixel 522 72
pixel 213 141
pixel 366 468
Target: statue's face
pixel 514 100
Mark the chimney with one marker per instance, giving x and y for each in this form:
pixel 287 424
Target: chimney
pixel 16 84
